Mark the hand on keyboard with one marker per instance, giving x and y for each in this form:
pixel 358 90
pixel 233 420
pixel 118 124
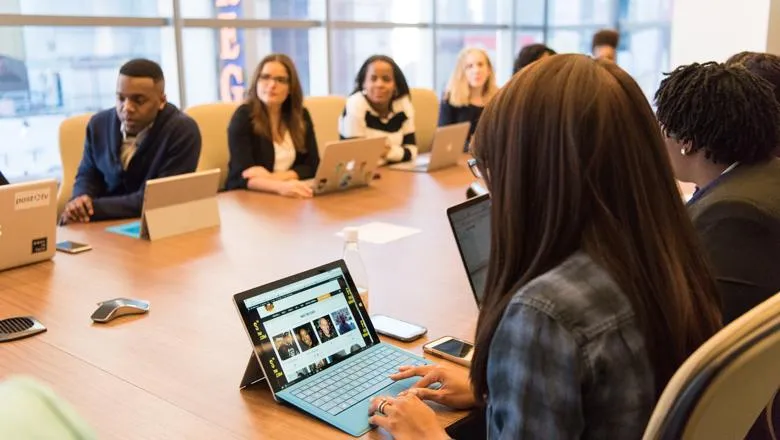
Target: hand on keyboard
pixel 454 387
pixel 406 417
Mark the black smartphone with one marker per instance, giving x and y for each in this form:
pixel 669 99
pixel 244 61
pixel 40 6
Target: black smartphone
pixel 71 247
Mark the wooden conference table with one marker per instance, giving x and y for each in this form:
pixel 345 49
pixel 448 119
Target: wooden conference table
pixel 174 372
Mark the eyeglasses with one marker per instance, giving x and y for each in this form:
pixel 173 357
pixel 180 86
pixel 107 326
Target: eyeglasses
pixel 474 168
pixel 278 79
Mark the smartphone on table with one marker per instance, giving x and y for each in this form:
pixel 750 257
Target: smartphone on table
pixel 452 349
pixel 71 247
pixel 397 329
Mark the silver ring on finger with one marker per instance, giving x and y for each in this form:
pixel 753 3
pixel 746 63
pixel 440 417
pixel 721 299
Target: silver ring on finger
pixel 381 408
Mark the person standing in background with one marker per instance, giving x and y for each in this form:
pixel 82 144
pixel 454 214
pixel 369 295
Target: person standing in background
pixel 471 85
pixel 604 45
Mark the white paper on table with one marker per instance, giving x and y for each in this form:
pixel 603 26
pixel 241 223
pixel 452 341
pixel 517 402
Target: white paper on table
pixel 382 233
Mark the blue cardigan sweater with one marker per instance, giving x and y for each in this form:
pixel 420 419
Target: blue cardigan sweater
pixel 171 147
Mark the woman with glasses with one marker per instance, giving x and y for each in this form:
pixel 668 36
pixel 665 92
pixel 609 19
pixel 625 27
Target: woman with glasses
pixel 380 107
pixel 271 135
pixel 597 289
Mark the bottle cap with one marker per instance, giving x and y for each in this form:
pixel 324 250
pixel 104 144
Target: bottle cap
pixel 351 234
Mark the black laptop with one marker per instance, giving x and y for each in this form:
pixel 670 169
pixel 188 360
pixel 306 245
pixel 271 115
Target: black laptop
pixel 470 223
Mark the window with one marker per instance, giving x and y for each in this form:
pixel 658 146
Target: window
pixel 64 61
pixel 530 12
pixel 645 55
pixel 219 63
pixel 98 8
pixel 645 10
pixel 566 41
pixel 257 9
pixel 391 11
pixel 411 49
pixel 580 12
pixel 471 11
pixel 55 72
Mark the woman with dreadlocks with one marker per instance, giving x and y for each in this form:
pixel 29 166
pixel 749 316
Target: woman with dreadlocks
pixel 721 125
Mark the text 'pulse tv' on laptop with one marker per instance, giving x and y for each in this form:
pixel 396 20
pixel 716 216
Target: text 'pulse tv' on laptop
pixel 470 222
pixel 317 348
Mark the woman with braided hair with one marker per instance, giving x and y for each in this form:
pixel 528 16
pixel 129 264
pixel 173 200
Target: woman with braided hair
pixel 721 125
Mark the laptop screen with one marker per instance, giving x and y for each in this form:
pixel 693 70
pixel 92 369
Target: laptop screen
pixel 470 222
pixel 304 324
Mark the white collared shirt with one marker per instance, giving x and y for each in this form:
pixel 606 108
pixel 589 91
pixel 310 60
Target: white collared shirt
pixel 130 145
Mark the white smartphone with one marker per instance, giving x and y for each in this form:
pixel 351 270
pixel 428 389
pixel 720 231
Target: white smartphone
pixel 71 247
pixel 452 349
pixel 397 329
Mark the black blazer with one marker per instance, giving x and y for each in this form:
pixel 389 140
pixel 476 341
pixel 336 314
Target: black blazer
pixel 247 149
pixel 738 221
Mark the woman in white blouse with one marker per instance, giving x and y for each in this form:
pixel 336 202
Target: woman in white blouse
pixel 271 135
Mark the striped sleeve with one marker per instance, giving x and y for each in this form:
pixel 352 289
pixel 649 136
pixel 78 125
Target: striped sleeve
pixel 352 123
pixel 408 148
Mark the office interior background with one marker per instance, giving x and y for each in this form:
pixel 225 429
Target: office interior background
pixel 61 58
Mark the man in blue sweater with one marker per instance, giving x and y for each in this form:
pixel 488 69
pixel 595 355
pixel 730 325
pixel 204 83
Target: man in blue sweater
pixel 144 138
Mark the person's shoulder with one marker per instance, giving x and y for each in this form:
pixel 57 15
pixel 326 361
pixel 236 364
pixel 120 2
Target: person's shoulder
pixel 103 118
pixel 243 109
pixel 445 103
pixel 737 213
pixel 579 294
pixel 242 116
pixel 356 103
pixel 750 190
pixel 404 103
pixel 306 115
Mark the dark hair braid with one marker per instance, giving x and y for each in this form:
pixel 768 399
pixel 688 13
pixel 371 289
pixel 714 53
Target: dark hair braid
pixel 725 110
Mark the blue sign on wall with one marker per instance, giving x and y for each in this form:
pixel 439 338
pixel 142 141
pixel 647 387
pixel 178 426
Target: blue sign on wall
pixel 231 53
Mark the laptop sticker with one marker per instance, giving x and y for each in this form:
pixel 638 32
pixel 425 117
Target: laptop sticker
pixel 40 245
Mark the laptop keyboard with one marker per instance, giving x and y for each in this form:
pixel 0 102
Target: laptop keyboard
pixel 348 383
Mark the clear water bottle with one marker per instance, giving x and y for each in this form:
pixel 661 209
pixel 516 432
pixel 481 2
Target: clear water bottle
pixel 355 263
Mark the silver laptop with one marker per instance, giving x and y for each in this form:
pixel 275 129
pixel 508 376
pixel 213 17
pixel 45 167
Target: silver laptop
pixel 447 147
pixel 28 222
pixel 347 164
pixel 176 205
pixel 316 348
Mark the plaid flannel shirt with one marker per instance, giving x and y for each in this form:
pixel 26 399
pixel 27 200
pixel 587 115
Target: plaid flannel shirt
pixel 568 361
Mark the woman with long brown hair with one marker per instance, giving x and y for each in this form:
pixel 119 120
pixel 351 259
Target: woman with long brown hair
pixel 596 290
pixel 271 136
